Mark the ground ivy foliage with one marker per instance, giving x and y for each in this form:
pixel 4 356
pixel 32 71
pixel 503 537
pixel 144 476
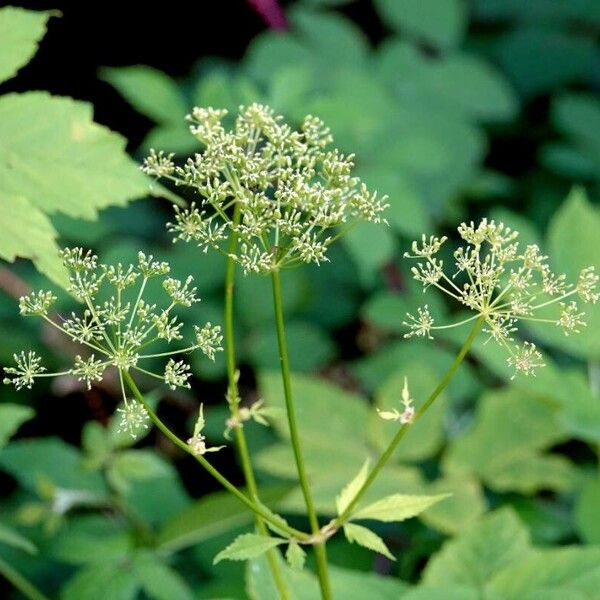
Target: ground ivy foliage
pixel 503 283
pixel 293 192
pixel 119 332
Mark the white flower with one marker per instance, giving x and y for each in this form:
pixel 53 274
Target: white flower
pixel 177 374
pixel 134 417
pixel 28 368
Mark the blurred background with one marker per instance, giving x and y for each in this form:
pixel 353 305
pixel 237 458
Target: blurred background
pixel 456 110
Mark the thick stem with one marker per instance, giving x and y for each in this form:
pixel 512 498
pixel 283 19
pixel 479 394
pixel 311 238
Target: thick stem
pixel 233 397
pixel 320 552
pixel 389 451
pixel 259 510
pixel 20 583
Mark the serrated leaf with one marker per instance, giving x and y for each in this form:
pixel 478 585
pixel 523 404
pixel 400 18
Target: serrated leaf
pixel 398 507
pixel 28 233
pixel 54 158
pixel 295 556
pixel 12 416
pixel 367 538
pixel 246 546
pixel 53 153
pixel 474 556
pixel 571 571
pixel 349 491
pixel 150 91
pixel 20 32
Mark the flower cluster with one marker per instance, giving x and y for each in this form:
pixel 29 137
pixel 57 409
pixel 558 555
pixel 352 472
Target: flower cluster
pixel 503 283
pixel 408 410
pixel 118 332
pixel 290 190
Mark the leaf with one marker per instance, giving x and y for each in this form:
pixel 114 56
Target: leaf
pixel 367 538
pixel 295 556
pixel 476 554
pixel 347 494
pixel 466 504
pixel 101 581
pixel 246 546
pixel 504 446
pixel 31 461
pixel 91 539
pixel 212 515
pixel 13 538
pixel 438 22
pixel 54 158
pixel 263 351
pixel 53 153
pixel 140 465
pixel 567 57
pixel 572 243
pixel 12 416
pixel 150 91
pixel 28 233
pixel 158 580
pixel 570 571
pixel 331 37
pixel 20 32
pixel 370 246
pixel 586 512
pixel 398 507
pixel 346 584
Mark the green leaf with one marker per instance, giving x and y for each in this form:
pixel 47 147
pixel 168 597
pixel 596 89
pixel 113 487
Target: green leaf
pixel 12 416
pixel 567 57
pixel 466 504
pixel 438 22
pixel 370 246
pixel 13 538
pixel 572 244
pixel 159 581
pixel 475 555
pixel 504 447
pixel 295 556
pixel 586 512
pixel 570 571
pixel 32 461
pixel 346 584
pixel 367 538
pixel 54 158
pixel 347 494
pixel 137 465
pixel 263 350
pixel 330 36
pixel 53 153
pixel 426 592
pixel 101 581
pixel 91 539
pixel 212 515
pixel 28 233
pixel 246 546
pixel 150 91
pixel 398 507
pixel 20 32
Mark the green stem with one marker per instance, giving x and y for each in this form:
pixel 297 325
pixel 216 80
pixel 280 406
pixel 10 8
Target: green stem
pixel 389 451
pixel 19 582
pixel 320 552
pixel 253 506
pixel 233 397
